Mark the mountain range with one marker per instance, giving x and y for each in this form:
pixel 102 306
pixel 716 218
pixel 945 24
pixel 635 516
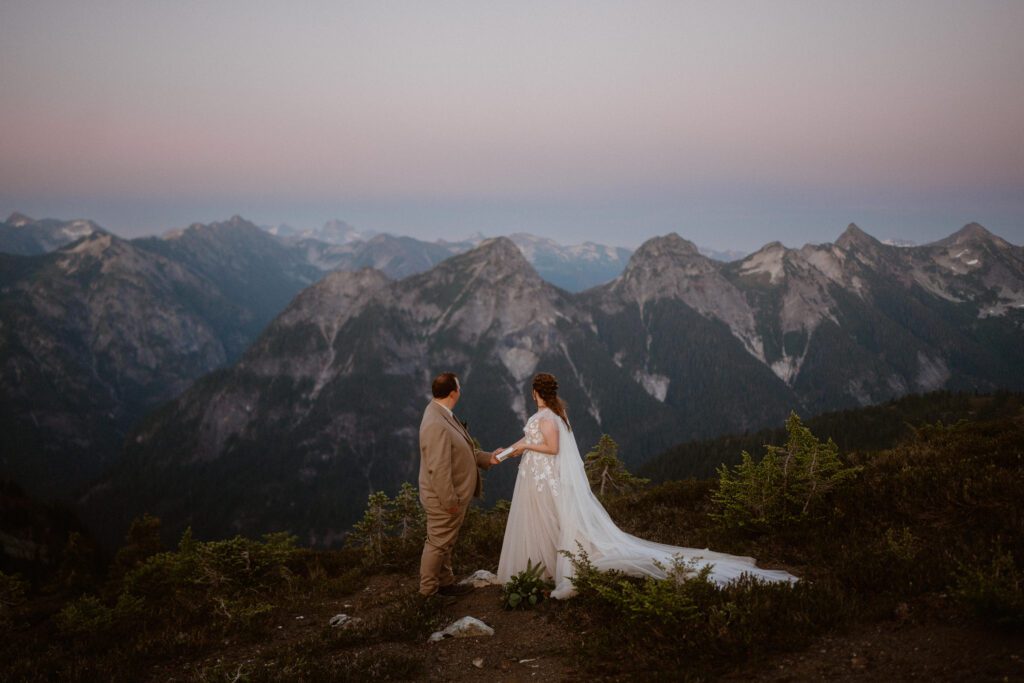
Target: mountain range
pixel 98 330
pixel 26 236
pixel 339 246
pixel 324 407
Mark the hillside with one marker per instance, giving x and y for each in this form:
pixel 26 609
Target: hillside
pixel 911 570
pixel 862 429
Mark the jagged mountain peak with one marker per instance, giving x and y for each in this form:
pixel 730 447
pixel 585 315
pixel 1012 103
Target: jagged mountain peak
pixel 768 261
pixel 668 256
pixel 496 265
pixel 19 219
pixel 667 245
pixel 491 291
pixel 853 237
pixel 974 230
pixel 500 255
pixel 973 233
pixel 772 247
pixel 116 254
pixel 91 242
pixel 497 245
pixel 235 222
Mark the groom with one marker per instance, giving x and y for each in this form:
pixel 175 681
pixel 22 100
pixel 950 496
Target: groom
pixel 449 479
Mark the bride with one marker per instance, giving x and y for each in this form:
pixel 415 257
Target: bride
pixel 554 509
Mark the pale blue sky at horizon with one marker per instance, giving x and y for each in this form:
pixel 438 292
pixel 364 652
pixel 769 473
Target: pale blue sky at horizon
pixel 731 123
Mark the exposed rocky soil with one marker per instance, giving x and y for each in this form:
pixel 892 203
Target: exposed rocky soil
pixel 922 642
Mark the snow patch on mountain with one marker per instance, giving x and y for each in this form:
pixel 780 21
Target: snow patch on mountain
pixel 520 361
pixel 654 384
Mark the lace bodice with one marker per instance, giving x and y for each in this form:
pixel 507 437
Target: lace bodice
pixel 540 468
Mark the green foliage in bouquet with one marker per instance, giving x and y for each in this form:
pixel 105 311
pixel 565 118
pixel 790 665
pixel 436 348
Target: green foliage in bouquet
pixel 607 474
pixel 790 484
pixel 527 588
pixel 391 531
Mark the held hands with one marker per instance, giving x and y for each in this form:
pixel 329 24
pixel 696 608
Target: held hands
pixel 518 451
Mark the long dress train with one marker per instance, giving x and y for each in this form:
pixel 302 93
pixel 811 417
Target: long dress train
pixel 554 509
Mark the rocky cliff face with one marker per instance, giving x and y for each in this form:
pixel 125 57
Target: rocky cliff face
pixel 325 406
pixel 92 336
pixel 100 331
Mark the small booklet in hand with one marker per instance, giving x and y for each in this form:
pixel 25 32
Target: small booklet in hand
pixel 505 453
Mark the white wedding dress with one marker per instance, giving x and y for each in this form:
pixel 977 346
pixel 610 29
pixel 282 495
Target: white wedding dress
pixel 554 509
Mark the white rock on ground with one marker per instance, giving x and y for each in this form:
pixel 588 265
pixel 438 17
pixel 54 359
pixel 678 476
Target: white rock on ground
pixel 344 620
pixel 480 578
pixel 466 627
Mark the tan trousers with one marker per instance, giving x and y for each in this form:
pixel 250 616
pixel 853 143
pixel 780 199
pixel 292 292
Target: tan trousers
pixel 436 562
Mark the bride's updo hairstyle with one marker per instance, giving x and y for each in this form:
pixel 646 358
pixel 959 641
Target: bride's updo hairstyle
pixel 546 387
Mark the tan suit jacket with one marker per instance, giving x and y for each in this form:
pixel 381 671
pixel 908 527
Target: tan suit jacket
pixel 449 463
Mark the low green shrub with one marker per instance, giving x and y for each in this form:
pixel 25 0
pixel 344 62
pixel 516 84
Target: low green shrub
pixel 86 616
pixel 789 484
pixel 686 623
pixel 994 590
pixel 528 588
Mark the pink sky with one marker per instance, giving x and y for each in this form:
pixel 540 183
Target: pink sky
pixel 609 120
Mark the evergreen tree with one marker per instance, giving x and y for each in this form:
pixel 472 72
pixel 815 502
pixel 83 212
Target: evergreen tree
pixel 405 515
pixel 142 541
pixel 607 474
pixel 371 532
pixel 788 484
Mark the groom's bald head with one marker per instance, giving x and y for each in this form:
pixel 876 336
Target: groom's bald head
pixel 444 384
